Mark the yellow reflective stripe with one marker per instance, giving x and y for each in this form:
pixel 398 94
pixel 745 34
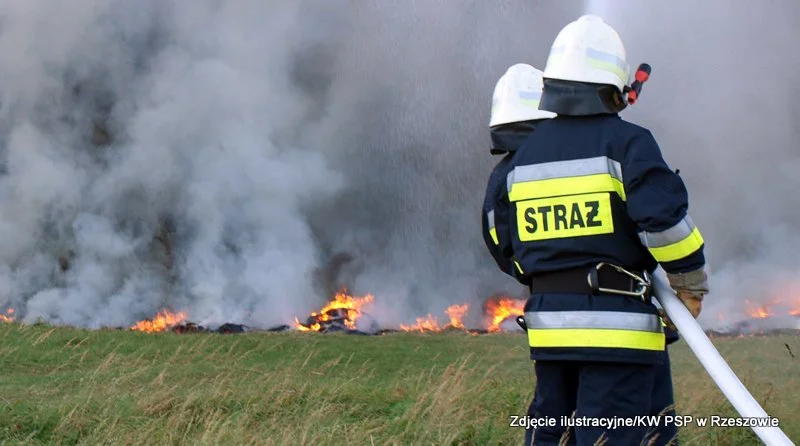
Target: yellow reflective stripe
pixel 608 62
pixel 678 250
pixel 553 187
pixel 610 67
pixel 492 230
pixel 530 98
pixel 597 59
pixel 596 338
pixel 519 267
pixel 531 104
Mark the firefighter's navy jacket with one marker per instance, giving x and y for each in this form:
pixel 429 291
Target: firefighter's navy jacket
pixel 491 234
pixel 506 140
pixel 590 189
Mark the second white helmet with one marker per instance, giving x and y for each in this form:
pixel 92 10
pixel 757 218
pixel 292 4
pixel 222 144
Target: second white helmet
pixel 588 50
pixel 516 96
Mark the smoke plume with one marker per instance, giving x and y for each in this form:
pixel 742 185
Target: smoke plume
pixel 240 160
pixel 722 102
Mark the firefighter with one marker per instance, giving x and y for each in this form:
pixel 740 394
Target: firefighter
pixel 592 209
pixel 515 113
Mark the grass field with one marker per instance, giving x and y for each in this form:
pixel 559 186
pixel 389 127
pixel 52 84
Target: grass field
pixel 65 386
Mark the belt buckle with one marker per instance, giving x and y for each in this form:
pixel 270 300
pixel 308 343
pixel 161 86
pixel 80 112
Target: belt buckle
pixel 643 283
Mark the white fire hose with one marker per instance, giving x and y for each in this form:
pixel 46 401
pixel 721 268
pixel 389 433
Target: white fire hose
pixel 712 361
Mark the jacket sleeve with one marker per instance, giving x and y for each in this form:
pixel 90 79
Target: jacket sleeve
pixel 657 200
pixel 495 218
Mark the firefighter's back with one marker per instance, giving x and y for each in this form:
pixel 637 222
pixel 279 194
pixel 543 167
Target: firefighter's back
pixel 568 189
pixel 568 214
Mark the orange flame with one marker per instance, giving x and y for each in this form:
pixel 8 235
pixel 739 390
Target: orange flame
pixel 500 308
pixel 429 323
pixel 760 313
pixel 164 320
pixel 456 313
pixel 343 306
pixel 777 307
pixel 8 316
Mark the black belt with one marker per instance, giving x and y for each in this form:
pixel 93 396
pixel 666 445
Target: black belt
pixel 577 281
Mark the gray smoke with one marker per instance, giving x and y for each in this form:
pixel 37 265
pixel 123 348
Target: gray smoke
pixel 722 102
pixel 241 160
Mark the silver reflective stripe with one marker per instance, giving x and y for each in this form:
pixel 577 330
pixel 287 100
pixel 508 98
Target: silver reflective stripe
pixel 607 57
pixel 670 236
pixel 490 218
pixel 614 320
pixel 530 98
pixel 562 169
pixel 530 95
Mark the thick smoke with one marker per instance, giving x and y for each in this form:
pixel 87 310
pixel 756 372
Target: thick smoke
pixel 153 148
pixel 240 160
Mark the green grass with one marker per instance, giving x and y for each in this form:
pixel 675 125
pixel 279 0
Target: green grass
pixel 68 386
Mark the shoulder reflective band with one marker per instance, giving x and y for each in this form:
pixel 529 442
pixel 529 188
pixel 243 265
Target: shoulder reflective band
pixel 519 267
pixel 595 329
pixel 492 229
pixel 674 243
pixel 581 176
pixel 596 59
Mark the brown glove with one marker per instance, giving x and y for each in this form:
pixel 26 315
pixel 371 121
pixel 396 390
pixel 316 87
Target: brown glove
pixel 690 287
pixel 666 320
pixel 693 304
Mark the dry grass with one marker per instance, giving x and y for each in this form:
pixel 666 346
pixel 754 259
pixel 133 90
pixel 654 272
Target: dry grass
pixel 65 386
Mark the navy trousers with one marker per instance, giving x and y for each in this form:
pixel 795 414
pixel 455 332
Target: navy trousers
pixel 663 403
pixel 601 390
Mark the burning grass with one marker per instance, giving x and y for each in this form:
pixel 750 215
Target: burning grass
pixel 430 323
pixel 112 386
pixel 8 316
pixel 164 320
pixel 781 306
pixel 341 313
pixel 344 311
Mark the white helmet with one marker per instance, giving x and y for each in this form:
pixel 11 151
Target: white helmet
pixel 588 50
pixel 516 96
